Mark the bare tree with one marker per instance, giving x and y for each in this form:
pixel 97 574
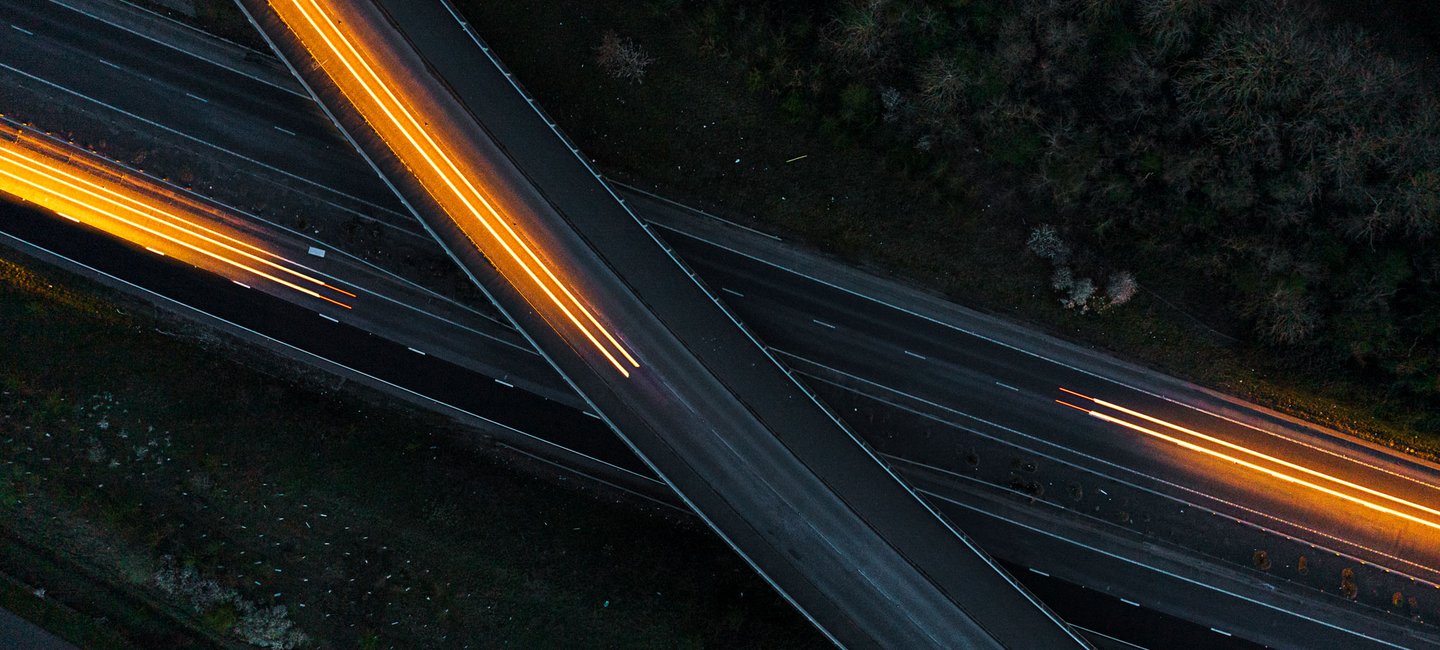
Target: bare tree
pixel 860 36
pixel 1288 316
pixel 942 85
pixel 1171 23
pixel 622 58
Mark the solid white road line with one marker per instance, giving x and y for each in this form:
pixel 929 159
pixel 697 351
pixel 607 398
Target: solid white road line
pixel 167 44
pixel 958 328
pixel 1113 641
pixel 819 322
pixel 964 540
pixel 631 188
pixel 212 145
pixel 381 271
pixel 306 353
pixel 1176 576
pixel 1126 471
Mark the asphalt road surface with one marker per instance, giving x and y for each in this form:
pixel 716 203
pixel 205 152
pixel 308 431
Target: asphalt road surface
pixel 950 370
pixel 707 408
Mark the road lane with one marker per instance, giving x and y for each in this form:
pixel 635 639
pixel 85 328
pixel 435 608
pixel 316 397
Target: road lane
pixel 763 464
pixel 1398 467
pixel 299 326
pixel 962 372
pixel 242 114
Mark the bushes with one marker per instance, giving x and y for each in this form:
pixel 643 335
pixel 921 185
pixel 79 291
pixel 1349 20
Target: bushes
pixel 225 611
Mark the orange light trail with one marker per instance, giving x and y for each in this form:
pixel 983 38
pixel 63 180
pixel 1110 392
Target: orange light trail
pixel 97 169
pixel 1236 460
pixel 85 191
pixel 428 160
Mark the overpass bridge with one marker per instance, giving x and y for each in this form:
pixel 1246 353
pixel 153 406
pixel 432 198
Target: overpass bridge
pixel 662 362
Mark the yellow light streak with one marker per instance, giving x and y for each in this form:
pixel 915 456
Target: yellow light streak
pixel 1274 473
pixel 451 184
pixel 99 169
pixel 150 210
pixel 441 164
pixel 88 196
pixel 1260 455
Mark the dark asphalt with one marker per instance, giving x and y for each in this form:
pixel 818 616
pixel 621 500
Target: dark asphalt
pixel 962 377
pixel 722 423
pixel 301 327
pixel 62 37
pixel 559 424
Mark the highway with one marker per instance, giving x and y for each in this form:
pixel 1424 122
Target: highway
pixel 959 371
pixel 699 400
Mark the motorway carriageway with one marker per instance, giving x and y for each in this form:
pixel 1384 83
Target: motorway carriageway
pixel 253 314
pixel 846 336
pixel 189 233
pixel 765 465
pixel 165 221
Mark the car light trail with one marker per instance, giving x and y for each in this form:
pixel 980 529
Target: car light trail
pixel 397 124
pixel 1242 462
pixel 81 189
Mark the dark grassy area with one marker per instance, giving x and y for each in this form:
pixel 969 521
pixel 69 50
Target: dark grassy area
pixel 709 125
pixel 125 439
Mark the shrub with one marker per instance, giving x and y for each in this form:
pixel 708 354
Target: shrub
pixel 1045 242
pixel 186 584
pixel 622 58
pixel 1120 289
pixel 268 627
